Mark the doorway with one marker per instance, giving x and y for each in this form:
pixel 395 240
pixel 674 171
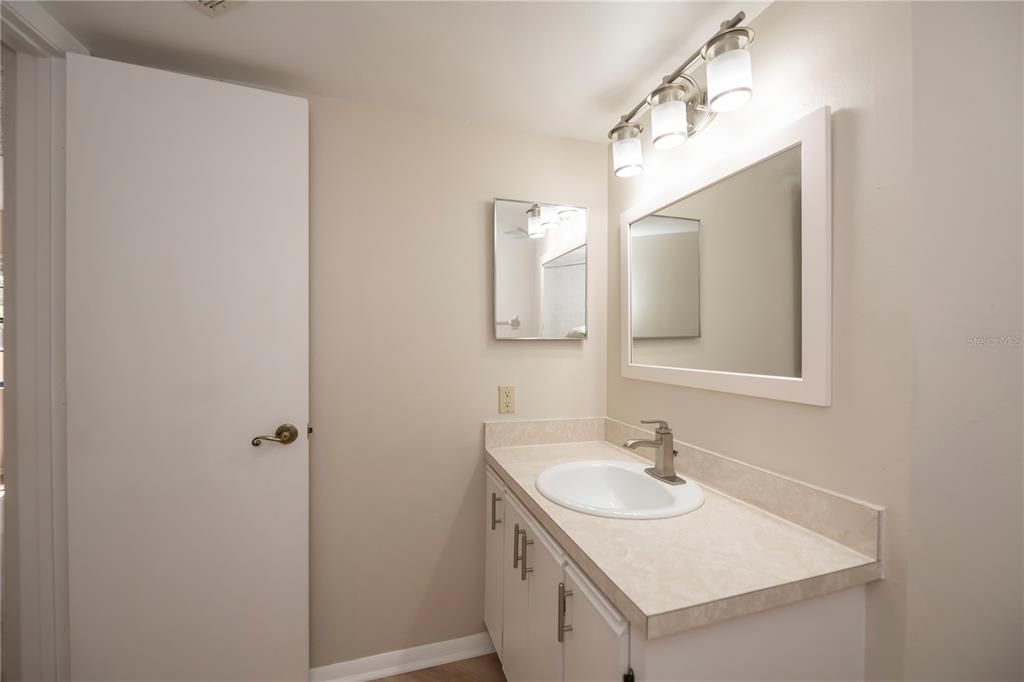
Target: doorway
pixel 33 559
pixel 6 95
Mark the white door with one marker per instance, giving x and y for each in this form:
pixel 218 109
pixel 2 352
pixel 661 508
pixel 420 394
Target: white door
pixel 187 335
pixel 495 557
pixel 597 647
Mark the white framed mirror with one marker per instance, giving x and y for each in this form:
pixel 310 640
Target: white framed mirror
pixel 726 277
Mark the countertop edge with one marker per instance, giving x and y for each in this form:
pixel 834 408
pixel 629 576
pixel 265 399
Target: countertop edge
pixel 664 624
pixel 746 604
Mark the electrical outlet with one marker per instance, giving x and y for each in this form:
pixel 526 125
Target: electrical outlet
pixel 506 399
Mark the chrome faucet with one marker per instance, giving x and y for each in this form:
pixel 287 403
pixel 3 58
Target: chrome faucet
pixel 664 468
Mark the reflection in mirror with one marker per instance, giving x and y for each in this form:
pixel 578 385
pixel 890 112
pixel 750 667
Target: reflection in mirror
pixel 540 271
pixel 715 277
pixel 665 253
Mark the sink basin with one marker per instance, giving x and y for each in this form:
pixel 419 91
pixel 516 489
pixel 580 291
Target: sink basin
pixel 617 490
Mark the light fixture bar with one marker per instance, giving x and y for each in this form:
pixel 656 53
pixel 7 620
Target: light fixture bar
pixel 683 68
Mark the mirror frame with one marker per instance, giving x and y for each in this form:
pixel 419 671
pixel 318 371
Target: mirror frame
pixel 494 278
pixel 814 387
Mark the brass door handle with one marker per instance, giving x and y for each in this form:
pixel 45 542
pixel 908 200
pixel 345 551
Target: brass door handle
pixel 285 434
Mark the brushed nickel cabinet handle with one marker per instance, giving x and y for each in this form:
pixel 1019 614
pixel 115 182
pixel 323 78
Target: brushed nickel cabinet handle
pixel 562 627
pixel 515 547
pixel 285 434
pixel 494 517
pixel 523 567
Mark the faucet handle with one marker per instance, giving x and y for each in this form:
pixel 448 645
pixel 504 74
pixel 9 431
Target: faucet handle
pixel 662 425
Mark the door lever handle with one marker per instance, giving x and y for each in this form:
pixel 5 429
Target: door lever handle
pixel 285 434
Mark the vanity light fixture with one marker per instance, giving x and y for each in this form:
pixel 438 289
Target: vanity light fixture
pixel 730 84
pixel 534 225
pixel 627 152
pixel 679 106
pixel 669 125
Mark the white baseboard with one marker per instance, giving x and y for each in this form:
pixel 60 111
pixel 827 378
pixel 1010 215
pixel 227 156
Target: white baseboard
pixel 404 660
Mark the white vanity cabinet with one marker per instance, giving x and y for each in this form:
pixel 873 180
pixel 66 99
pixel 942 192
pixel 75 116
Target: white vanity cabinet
pixel 535 592
pixel 495 542
pixel 515 614
pixel 597 645
pixel 730 592
pixel 541 563
pixel 526 572
pixel 530 646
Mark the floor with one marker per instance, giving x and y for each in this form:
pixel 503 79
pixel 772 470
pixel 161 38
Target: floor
pixel 482 669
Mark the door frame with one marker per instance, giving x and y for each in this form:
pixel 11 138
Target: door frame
pixel 35 570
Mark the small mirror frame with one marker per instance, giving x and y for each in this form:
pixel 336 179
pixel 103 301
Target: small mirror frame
pixel 814 386
pixel 494 270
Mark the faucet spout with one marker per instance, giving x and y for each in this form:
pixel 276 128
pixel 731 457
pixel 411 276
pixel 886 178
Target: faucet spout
pixel 664 468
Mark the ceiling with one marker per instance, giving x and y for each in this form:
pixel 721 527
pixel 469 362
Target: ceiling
pixel 561 68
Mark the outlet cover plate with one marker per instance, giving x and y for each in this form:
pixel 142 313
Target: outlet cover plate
pixel 506 399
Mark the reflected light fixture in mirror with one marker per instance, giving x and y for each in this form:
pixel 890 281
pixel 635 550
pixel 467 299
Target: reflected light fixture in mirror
pixel 668 116
pixel 567 214
pixel 730 82
pixel 627 154
pixel 534 224
pixel 548 218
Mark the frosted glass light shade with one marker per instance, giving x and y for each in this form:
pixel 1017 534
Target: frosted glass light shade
pixel 730 83
pixel 627 153
pixel 668 124
pixel 627 157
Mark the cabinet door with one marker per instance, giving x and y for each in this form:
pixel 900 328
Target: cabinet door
pixel 515 647
pixel 597 646
pixel 494 509
pixel 544 563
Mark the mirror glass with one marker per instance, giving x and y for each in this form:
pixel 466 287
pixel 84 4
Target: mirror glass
pixel 715 277
pixel 540 270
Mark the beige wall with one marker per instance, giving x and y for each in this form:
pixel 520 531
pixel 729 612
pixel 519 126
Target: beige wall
pixel 404 367
pixel 914 409
pixel 964 570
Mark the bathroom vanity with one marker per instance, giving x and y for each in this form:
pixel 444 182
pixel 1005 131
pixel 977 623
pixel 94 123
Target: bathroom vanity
pixel 764 580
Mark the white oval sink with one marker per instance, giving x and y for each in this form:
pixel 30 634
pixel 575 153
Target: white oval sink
pixel 617 489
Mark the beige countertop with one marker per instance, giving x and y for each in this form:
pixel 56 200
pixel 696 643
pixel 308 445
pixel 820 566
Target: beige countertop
pixel 724 560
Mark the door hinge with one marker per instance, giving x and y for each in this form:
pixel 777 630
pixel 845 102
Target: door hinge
pixel 629 676
pixel 309 431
